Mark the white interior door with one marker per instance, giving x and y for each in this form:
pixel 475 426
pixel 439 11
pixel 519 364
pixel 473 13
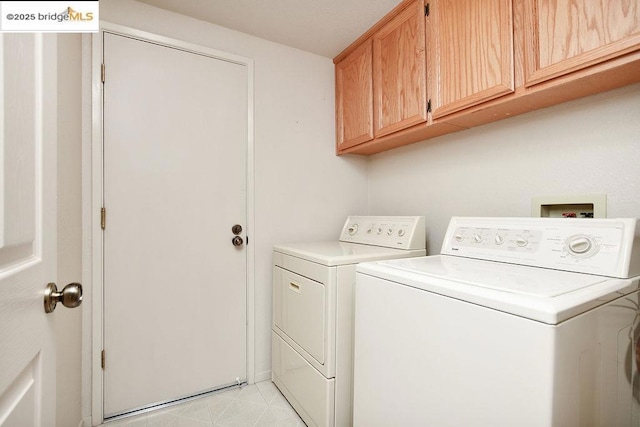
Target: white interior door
pixel 175 156
pixel 27 228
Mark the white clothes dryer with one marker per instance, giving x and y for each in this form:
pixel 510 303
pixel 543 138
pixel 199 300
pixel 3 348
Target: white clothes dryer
pixel 312 347
pixel 528 322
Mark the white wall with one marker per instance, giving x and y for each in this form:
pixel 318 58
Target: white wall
pixel 302 190
pixel 587 146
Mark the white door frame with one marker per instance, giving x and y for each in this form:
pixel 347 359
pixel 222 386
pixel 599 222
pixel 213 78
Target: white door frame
pixel 93 180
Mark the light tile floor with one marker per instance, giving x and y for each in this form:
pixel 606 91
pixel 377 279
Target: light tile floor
pixel 257 405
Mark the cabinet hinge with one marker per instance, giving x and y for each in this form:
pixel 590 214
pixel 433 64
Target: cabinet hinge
pixel 102 72
pixel 102 359
pixel 103 218
pixel 428 106
pixel 426 11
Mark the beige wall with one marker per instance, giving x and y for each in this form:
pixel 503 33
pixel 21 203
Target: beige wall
pixel 587 146
pixel 68 323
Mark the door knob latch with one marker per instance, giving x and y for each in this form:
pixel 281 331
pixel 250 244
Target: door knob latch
pixel 70 297
pixel 237 241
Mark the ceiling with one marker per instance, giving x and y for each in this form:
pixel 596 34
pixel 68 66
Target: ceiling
pixel 323 27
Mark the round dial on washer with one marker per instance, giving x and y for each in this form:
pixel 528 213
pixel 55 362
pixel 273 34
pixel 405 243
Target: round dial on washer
pixel 353 229
pixel 498 239
pixel 459 237
pixel 389 231
pixel 401 232
pixel 522 242
pixel 478 238
pixel 379 230
pixel 579 245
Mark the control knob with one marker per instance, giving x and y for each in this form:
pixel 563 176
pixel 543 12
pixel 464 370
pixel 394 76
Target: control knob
pixel 580 245
pixel 477 238
pixel 522 242
pixel 498 239
pixel 353 229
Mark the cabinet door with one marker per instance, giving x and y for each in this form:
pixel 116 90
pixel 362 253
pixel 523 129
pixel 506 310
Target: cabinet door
pixel 472 42
pixel 563 36
pixel 354 98
pixel 399 72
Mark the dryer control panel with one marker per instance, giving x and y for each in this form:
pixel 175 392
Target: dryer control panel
pixel 607 247
pixel 400 232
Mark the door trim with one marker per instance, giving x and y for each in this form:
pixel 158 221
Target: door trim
pixel 93 201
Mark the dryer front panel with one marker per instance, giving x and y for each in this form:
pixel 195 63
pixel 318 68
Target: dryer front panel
pixel 300 311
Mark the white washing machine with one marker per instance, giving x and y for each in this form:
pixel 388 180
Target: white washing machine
pixel 312 347
pixel 527 322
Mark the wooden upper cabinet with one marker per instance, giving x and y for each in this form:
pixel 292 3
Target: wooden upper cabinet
pixel 354 98
pixel 471 43
pixel 481 61
pixel 399 72
pixel 563 36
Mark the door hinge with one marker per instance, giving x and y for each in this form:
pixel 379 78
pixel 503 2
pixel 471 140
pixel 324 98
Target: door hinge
pixel 102 72
pixel 428 106
pixel 102 359
pixel 103 218
pixel 426 13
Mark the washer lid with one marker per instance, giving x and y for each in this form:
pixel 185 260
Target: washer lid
pixel 333 253
pixel 545 295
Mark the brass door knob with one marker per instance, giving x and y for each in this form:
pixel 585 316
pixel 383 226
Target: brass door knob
pixel 70 297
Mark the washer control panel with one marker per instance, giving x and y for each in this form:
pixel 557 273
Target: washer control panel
pixel 521 240
pixel 402 232
pixel 608 247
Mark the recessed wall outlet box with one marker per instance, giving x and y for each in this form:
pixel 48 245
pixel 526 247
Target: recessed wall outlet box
pixel 581 206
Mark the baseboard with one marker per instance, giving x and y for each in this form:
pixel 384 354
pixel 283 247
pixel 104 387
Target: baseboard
pixel 263 376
